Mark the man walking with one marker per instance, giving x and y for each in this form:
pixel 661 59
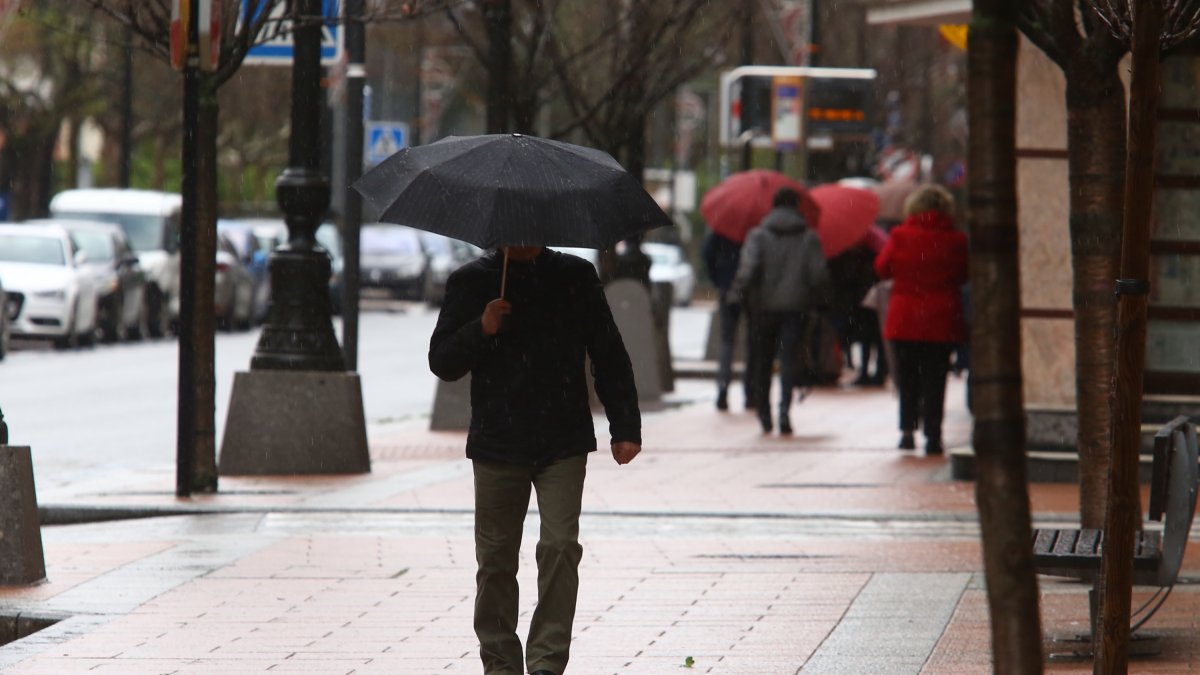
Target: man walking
pixel 783 269
pixel 721 262
pixel 531 427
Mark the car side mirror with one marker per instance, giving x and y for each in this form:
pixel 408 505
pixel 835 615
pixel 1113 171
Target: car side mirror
pixel 129 259
pixel 80 257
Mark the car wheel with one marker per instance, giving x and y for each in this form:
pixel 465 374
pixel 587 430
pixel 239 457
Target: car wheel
pixel 158 313
pixel 112 325
pixel 141 329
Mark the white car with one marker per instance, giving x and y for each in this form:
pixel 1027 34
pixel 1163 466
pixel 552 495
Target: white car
pixel 667 264
pixel 151 221
pixel 445 256
pixel 55 296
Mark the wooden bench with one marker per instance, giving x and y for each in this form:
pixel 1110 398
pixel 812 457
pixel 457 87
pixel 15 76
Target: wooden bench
pixel 1158 555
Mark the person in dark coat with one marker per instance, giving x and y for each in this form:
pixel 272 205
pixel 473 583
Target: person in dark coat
pixel 782 266
pixel 927 259
pixel 853 274
pixel 531 427
pixel 721 262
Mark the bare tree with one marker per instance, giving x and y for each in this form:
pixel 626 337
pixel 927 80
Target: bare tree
pixel 51 65
pixel 1089 55
pixel 1149 26
pixel 999 431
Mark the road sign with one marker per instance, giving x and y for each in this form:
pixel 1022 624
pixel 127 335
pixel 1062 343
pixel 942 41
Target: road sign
pixel 384 139
pixel 276 49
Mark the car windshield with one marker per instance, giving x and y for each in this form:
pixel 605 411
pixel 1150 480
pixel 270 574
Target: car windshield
pixel 145 233
pixel 661 257
pixel 96 244
pixel 389 241
pixel 22 248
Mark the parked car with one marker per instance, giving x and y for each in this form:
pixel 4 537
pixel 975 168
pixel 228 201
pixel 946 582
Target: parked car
pixel 253 254
pixel 668 264
pixel 272 233
pixel 233 288
pixel 122 282
pixel 56 297
pixel 445 255
pixel 151 223
pixel 391 258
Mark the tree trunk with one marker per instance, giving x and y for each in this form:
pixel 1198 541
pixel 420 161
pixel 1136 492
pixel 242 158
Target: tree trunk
pixel 1124 503
pixel 1095 109
pixel 999 433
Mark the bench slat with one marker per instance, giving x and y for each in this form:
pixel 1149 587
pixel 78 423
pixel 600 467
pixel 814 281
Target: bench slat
pixel 1065 543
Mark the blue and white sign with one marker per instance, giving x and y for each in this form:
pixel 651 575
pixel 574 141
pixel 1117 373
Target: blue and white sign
pixel 384 139
pixel 276 48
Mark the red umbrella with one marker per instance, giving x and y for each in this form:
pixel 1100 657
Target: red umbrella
pixel 847 214
pixel 737 204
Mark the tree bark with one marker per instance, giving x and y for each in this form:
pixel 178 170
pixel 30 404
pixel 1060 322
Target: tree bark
pixel 999 433
pixel 1124 504
pixel 1095 109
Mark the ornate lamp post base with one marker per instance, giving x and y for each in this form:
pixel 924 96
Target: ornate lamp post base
pixel 297 411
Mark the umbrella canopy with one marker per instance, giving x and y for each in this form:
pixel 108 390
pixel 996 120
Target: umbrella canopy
pixel 511 190
pixel 737 204
pixel 847 213
pixel 875 239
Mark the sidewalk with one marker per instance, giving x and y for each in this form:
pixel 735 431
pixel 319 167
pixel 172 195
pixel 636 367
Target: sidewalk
pixel 830 552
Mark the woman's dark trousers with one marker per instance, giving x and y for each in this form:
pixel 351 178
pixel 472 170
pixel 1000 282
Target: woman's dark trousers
pixel 921 369
pixel 729 313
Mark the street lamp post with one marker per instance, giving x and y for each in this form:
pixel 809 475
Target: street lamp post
pixel 299 334
pixel 297 411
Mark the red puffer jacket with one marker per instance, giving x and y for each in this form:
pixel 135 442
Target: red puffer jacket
pixel 927 258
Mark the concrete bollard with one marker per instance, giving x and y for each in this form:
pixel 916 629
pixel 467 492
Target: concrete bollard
pixel 452 406
pixel 21 557
pixel 630 304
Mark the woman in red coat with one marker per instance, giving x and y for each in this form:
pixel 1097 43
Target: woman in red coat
pixel 927 259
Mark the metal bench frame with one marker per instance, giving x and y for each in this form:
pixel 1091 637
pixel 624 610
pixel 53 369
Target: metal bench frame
pixel 1158 556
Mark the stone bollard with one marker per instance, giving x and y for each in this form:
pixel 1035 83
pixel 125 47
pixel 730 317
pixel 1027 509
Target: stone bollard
pixel 21 558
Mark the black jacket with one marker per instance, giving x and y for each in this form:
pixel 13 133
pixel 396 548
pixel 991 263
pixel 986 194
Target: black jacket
pixel 529 396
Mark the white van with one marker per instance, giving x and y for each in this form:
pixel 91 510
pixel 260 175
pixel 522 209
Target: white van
pixel 151 221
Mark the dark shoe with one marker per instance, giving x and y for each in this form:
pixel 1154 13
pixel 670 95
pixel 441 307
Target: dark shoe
pixel 933 446
pixel 722 401
pixel 907 442
pixel 785 425
pixel 542 672
pixel 765 419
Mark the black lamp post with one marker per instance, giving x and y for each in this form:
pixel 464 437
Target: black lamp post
pixel 299 333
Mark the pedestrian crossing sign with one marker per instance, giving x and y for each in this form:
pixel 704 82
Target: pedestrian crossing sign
pixel 383 140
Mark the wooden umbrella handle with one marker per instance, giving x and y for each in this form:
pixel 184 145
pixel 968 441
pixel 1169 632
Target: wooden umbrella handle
pixel 504 274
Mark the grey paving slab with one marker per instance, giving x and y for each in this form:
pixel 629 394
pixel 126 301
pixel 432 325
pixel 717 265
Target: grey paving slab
pixel 892 626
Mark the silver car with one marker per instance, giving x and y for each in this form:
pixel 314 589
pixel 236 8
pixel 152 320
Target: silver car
pixel 123 311
pixel 392 258
pixel 445 255
pixel 56 296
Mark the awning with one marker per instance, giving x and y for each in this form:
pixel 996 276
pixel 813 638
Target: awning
pixel 918 12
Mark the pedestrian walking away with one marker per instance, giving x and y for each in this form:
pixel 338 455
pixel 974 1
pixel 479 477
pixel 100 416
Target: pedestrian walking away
pixel 782 271
pixel 926 257
pixel 721 262
pixel 531 431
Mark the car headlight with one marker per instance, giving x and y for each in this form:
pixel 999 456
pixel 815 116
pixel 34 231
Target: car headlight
pixel 57 294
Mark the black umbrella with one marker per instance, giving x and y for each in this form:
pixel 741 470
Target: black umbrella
pixel 511 190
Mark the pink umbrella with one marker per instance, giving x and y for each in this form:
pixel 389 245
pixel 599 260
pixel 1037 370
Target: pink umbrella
pixel 737 204
pixel 875 238
pixel 847 213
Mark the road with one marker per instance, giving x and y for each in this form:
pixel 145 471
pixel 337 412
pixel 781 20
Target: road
pixel 116 404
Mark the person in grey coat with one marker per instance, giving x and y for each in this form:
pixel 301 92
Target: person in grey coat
pixel 783 276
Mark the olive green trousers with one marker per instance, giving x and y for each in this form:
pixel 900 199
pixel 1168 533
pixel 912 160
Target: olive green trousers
pixel 501 501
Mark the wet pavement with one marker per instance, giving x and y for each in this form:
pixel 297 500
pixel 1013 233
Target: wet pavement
pixel 826 552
